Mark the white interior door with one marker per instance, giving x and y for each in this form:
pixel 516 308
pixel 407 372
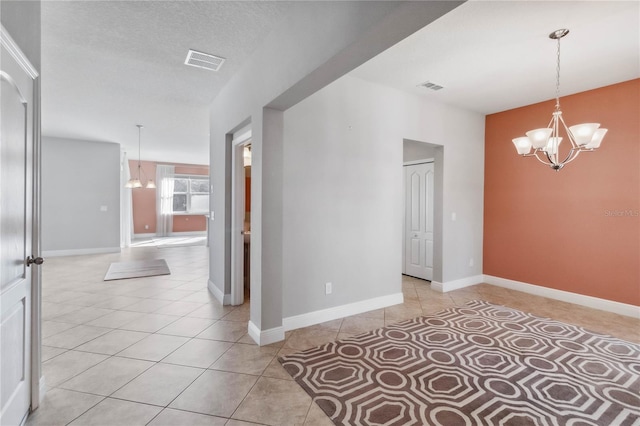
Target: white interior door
pixel 419 186
pixel 16 179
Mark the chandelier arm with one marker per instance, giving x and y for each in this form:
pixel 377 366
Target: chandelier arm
pixel 553 158
pixel 535 154
pixel 573 154
pixel 569 134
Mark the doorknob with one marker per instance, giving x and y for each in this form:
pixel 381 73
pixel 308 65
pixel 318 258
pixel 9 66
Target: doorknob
pixel 36 260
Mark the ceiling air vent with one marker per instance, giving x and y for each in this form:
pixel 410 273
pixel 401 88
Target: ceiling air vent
pixel 431 86
pixel 204 60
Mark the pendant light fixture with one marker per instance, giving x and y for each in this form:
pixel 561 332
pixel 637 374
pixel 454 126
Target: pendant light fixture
pixel 136 182
pixel 546 141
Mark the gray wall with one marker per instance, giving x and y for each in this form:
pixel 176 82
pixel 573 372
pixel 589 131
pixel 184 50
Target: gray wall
pixel 21 19
pixel 78 178
pixel 310 58
pixel 343 192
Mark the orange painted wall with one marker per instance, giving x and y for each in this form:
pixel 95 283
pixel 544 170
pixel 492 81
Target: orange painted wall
pixel 144 200
pixel 247 195
pixel 578 229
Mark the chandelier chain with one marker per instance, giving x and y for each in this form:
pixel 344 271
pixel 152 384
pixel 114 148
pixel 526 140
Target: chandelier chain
pixel 558 76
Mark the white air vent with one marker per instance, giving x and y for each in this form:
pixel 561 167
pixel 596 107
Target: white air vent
pixel 204 60
pixel 431 86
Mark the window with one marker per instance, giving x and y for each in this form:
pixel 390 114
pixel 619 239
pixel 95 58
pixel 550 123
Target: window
pixel 190 194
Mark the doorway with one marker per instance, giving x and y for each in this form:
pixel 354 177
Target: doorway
pixel 241 217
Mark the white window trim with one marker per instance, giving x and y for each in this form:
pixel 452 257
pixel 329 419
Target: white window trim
pixel 188 193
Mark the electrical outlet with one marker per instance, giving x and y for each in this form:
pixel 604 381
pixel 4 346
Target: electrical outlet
pixel 328 288
pixel 146 227
pixel 471 262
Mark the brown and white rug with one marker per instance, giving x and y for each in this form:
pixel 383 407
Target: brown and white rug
pixel 479 364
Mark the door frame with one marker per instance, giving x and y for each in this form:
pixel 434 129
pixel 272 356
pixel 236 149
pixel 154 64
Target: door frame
pixel 404 205
pixel 37 383
pixel 237 215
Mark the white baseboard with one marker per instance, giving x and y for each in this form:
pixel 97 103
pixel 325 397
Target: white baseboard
pixel 76 252
pixel 565 296
pixel 456 284
pixel 225 299
pixel 188 234
pixel 265 337
pixel 144 235
pixel 43 389
pixel 329 314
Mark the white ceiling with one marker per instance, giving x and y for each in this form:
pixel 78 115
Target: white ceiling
pixel 492 56
pixel 109 65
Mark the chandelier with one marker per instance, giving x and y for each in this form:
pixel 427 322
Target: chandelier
pixel 546 141
pixel 136 182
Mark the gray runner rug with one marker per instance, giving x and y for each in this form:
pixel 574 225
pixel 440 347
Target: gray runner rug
pixel 137 269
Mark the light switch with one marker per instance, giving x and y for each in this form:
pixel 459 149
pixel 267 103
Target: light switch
pixel 453 216
pixel 103 208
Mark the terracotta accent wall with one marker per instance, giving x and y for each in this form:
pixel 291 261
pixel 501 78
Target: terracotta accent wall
pixel 247 195
pixel 144 200
pixel 578 229
pixel 189 223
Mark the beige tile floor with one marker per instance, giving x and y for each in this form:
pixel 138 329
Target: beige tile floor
pixel 162 351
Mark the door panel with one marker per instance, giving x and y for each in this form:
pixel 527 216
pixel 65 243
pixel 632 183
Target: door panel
pixel 419 183
pixel 16 139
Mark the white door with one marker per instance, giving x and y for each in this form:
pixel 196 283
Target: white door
pixel 419 220
pixel 16 138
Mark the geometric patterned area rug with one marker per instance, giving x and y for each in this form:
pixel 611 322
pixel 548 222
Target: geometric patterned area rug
pixel 137 269
pixel 478 364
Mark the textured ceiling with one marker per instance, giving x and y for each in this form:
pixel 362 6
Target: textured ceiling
pixel 108 65
pixel 492 56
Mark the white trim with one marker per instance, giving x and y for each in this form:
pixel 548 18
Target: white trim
pixel 329 314
pixel 188 234
pixel 565 296
pixel 76 252
pixel 456 284
pixel 43 389
pixel 225 299
pixel 238 214
pixel 144 235
pixel 16 53
pixel 242 135
pixel 414 162
pixel 265 337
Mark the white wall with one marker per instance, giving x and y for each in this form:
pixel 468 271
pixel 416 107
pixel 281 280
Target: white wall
pixel 415 151
pixel 78 177
pixel 343 198
pixel 22 20
pixel 297 59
